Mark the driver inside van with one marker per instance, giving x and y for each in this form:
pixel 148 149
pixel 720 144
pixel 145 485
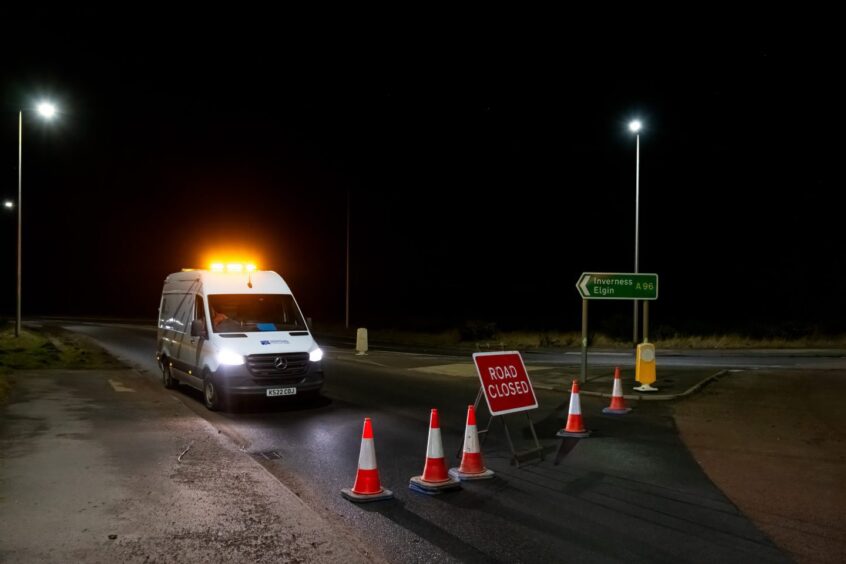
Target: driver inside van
pixel 222 322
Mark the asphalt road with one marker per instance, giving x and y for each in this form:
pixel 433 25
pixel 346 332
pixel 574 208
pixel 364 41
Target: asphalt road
pixel 101 466
pixel 631 492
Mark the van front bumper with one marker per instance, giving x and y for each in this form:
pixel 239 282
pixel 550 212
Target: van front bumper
pixel 238 381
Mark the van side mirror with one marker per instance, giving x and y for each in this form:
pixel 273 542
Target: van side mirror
pixel 198 329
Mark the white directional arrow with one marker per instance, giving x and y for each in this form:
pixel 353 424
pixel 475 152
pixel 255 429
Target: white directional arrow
pixel 583 285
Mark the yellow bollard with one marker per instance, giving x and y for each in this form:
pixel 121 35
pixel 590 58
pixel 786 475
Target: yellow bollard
pixel 645 367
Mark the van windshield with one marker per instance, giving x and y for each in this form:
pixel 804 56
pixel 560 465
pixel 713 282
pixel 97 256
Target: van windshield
pixel 244 313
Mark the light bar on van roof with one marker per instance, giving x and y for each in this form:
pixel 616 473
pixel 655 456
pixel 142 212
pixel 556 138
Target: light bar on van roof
pixel 232 267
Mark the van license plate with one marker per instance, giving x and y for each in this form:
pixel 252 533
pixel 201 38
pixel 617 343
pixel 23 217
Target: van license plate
pixel 281 392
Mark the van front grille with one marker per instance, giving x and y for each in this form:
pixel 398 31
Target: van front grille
pixel 277 365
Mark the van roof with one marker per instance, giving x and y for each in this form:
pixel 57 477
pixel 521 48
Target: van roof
pixel 207 282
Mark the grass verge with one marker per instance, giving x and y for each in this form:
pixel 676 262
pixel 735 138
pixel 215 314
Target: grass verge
pixel 539 340
pixel 47 347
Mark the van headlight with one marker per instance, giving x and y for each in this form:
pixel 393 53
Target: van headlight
pixel 230 358
pixel 316 355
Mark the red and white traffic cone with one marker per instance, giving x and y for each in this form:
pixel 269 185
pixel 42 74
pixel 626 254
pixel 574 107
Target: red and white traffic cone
pixel 367 486
pixel 472 467
pixel 434 479
pixel 575 427
pixel 618 405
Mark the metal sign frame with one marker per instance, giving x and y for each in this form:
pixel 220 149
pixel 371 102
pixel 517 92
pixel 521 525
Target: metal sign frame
pixel 516 457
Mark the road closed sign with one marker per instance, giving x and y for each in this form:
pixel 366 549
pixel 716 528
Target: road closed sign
pixel 505 382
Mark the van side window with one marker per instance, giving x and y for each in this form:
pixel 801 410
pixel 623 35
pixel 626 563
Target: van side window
pixel 164 313
pixel 200 310
pixel 175 312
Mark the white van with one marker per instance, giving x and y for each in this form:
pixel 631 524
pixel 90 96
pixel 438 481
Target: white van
pixel 235 331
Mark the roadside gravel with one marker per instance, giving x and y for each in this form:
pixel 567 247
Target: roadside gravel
pixel 775 444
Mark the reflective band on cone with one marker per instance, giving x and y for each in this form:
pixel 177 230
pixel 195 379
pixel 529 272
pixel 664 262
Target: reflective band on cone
pixel 367 486
pixel 618 405
pixel 575 427
pixel 434 479
pixel 472 467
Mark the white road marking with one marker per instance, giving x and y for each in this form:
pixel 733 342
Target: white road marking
pixel 119 387
pixel 599 354
pixel 467 370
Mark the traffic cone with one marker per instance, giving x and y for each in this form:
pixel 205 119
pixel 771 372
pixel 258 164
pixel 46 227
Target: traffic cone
pixel 367 486
pixel 434 479
pixel 618 406
pixel 575 427
pixel 472 467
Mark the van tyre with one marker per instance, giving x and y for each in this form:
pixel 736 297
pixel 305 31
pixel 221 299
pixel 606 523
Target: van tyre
pixel 212 396
pixel 167 376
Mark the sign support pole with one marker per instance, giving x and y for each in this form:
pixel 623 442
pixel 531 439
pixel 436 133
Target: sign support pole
pixel 583 374
pixel 538 447
pixel 510 442
pixel 645 322
pixel 476 409
pixel 483 434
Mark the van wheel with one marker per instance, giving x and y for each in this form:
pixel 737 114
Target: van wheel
pixel 211 394
pixel 167 376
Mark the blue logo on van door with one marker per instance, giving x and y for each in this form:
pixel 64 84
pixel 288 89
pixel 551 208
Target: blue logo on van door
pixel 276 342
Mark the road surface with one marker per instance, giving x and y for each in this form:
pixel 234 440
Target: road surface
pixel 631 492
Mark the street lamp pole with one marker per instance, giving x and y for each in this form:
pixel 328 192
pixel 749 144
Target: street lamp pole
pixel 347 293
pixel 20 224
pixel 47 110
pixel 635 127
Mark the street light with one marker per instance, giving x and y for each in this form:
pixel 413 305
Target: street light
pixel 635 127
pixel 47 111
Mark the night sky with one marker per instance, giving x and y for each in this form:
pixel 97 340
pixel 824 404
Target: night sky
pixel 483 180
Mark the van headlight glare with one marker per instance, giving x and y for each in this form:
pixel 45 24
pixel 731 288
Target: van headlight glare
pixel 316 355
pixel 230 358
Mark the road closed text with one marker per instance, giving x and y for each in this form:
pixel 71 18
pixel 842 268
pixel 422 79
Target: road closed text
pixel 500 388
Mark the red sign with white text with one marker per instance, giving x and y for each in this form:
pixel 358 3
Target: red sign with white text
pixel 505 382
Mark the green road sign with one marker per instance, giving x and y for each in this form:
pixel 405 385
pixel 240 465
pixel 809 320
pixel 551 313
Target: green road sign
pixel 618 286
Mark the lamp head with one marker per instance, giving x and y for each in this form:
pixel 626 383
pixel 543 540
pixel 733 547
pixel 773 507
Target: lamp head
pixel 46 109
pixel 635 125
